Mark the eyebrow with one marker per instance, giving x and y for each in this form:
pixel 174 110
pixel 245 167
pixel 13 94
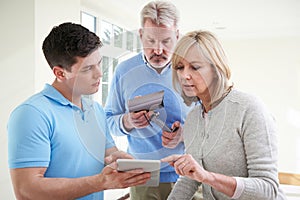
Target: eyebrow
pixel 155 38
pixel 87 66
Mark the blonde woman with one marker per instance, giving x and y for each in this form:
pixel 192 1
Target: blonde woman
pixel 230 137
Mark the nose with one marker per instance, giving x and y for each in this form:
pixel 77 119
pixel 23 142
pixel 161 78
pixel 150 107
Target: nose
pixel 186 74
pixel 158 49
pixel 98 72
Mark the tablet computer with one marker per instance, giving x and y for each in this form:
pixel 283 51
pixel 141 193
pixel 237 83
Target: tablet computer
pixel 152 166
pixel 147 102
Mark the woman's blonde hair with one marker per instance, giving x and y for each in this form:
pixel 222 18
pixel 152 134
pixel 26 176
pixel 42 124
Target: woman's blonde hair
pixel 213 53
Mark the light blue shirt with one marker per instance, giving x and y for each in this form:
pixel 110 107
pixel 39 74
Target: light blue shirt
pixel 49 131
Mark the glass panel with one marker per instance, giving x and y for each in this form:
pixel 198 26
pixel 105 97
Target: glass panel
pixel 88 21
pixel 105 67
pixel 118 37
pixel 129 41
pixel 138 44
pixel 104 93
pixel 106 32
pixel 115 63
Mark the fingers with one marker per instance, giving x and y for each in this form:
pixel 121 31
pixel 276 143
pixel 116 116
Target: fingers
pixel 114 179
pixel 169 135
pixel 183 164
pixel 169 143
pixel 112 166
pixel 132 178
pixel 139 119
pixel 172 139
pixel 116 155
pixel 182 167
pixel 136 179
pixel 176 125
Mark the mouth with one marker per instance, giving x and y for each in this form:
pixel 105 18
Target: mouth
pixel 96 84
pixel 188 86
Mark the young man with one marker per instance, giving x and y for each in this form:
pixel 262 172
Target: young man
pixel 146 73
pixel 57 139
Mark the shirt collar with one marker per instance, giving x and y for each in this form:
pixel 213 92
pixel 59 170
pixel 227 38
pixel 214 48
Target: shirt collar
pixel 50 92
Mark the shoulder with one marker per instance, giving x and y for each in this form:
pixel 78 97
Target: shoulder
pixel 130 63
pixel 35 102
pixel 244 99
pixel 194 112
pixel 243 103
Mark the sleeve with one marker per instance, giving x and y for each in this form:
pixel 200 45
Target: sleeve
pixel 239 188
pixel 29 135
pixel 258 133
pixel 184 188
pixel 115 107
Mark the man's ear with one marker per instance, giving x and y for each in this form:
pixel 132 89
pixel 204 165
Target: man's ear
pixel 58 72
pixel 141 32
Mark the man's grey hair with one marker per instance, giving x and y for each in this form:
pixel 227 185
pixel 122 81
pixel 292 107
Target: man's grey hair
pixel 161 13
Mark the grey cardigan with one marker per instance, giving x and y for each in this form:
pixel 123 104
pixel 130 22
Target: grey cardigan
pixel 236 138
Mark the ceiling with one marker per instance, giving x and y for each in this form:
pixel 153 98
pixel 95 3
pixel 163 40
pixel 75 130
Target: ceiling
pixel 227 18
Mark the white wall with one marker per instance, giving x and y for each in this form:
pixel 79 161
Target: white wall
pixel 270 68
pixel 24 25
pixel 17 71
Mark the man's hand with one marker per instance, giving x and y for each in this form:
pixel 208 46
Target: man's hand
pixel 172 139
pixel 110 178
pixel 136 120
pixel 116 155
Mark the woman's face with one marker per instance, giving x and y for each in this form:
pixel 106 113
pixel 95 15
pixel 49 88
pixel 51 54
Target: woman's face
pixel 195 74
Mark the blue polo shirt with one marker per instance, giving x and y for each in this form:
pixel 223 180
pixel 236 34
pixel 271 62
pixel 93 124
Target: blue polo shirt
pixel 47 130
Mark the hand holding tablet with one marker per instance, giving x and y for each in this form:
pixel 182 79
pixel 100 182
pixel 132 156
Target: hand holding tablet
pixel 152 166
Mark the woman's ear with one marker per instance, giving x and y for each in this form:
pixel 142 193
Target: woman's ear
pixel 177 34
pixel 58 72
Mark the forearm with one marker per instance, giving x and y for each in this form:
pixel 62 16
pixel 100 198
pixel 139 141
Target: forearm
pixel 40 187
pixel 222 183
pixel 184 188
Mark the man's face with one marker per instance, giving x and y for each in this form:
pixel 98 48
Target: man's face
pixel 158 43
pixel 84 78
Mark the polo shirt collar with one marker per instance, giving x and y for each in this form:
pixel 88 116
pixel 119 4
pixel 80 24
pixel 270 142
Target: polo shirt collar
pixel 50 92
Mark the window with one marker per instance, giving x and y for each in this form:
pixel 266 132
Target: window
pixel 106 32
pixel 129 41
pixel 119 44
pixel 88 21
pixel 118 36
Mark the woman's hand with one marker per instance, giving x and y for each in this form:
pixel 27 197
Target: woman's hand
pixel 186 165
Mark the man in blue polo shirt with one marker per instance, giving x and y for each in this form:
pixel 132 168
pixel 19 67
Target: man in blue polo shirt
pixel 58 140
